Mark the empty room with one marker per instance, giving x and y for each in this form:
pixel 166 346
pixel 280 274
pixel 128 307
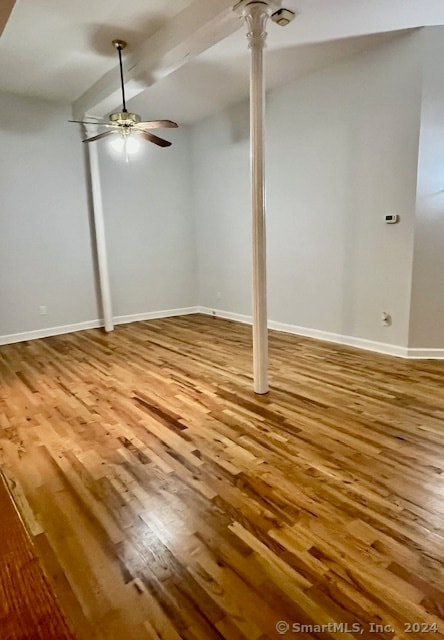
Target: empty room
pixel 221 319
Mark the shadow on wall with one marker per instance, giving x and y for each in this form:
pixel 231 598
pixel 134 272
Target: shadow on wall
pixel 350 229
pixel 239 117
pixel 92 229
pixel 286 64
pixel 26 116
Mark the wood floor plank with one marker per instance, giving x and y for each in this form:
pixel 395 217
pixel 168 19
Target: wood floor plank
pixel 169 501
pixel 28 608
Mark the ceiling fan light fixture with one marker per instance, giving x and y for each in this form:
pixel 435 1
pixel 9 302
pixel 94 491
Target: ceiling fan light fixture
pixel 127 143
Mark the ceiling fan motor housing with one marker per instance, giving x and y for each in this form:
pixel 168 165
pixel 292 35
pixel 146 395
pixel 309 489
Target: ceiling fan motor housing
pixel 124 119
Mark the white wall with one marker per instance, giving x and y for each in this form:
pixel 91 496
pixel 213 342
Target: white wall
pixel 149 227
pixel 427 311
pixel 45 250
pixel 47 257
pixel 342 152
pixel 221 190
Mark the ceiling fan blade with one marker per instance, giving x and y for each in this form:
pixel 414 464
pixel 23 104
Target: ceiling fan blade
pixel 98 136
pixel 157 124
pixel 152 138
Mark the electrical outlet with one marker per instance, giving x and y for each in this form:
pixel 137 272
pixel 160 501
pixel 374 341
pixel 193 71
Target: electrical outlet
pixel 386 319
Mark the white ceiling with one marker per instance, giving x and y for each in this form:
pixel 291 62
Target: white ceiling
pixel 56 49
pixel 188 58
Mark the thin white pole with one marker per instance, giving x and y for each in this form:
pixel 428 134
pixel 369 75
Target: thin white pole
pixel 256 15
pixel 99 225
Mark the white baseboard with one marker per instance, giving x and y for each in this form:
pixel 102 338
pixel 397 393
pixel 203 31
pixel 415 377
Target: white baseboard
pixel 360 343
pixel 50 331
pixel 152 315
pixel 92 324
pixel 428 354
pixel 226 315
pixel 337 338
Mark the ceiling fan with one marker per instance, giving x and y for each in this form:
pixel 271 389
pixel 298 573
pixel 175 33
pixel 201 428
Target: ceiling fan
pixel 125 123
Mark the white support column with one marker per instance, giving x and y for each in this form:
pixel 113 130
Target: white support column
pixel 256 15
pixel 99 225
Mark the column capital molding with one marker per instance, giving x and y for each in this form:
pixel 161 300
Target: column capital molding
pixel 247 5
pixel 256 14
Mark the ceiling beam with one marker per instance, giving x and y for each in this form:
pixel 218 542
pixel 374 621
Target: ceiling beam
pixel 195 29
pixel 6 6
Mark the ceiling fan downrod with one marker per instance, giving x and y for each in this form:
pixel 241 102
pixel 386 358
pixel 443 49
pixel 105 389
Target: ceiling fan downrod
pixel 119 45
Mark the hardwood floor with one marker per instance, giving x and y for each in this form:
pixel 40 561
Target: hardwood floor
pixel 168 501
pixel 28 608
